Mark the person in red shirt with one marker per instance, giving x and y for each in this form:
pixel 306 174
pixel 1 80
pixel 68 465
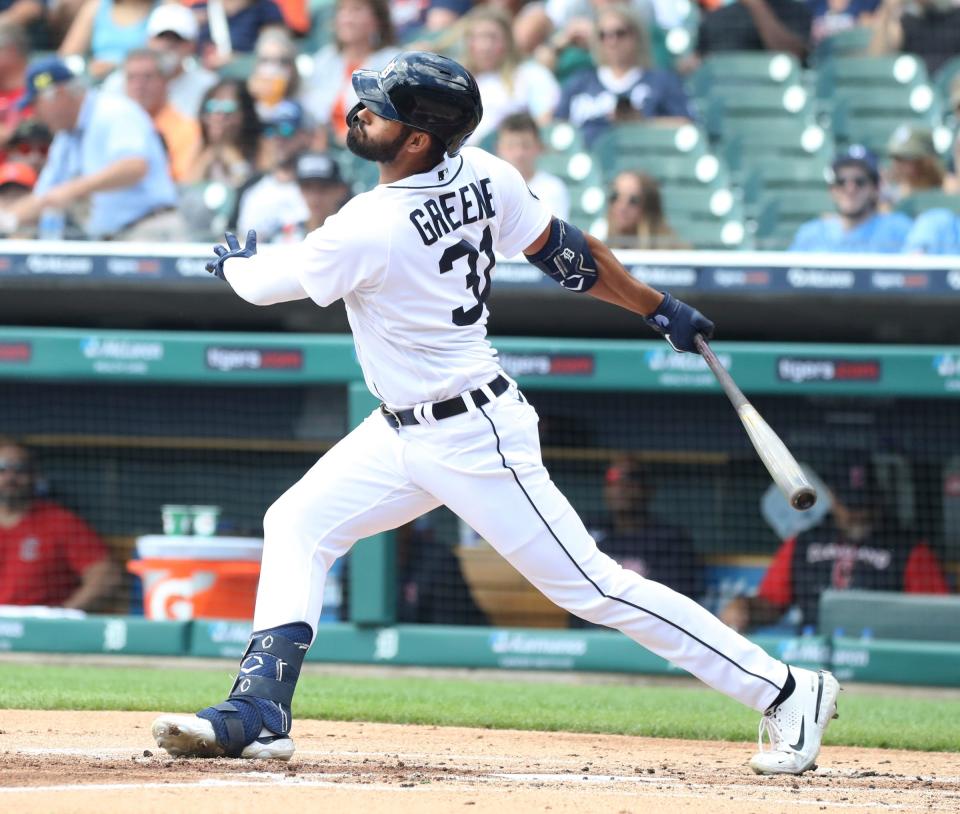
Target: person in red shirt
pixel 14 53
pixel 857 546
pixel 48 555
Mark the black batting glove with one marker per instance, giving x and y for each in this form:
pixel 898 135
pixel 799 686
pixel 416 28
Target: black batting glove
pixel 679 323
pixel 232 249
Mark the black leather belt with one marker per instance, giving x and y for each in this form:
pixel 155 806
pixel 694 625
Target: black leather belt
pixel 444 409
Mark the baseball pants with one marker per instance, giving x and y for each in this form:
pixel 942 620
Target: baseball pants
pixel 485 465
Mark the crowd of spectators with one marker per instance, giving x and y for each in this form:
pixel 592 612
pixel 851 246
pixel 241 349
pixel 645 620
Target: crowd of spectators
pixel 115 115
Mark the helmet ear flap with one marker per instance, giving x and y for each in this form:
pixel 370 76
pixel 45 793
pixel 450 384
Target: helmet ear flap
pixel 352 113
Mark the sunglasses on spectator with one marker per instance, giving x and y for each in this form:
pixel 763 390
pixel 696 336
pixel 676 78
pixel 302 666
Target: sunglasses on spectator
pixel 614 33
pixel 633 200
pixel 859 181
pixel 281 130
pixel 275 60
pixel 225 106
pixel 28 147
pixel 19 468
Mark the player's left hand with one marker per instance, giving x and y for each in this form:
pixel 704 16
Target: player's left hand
pixel 232 249
pixel 679 323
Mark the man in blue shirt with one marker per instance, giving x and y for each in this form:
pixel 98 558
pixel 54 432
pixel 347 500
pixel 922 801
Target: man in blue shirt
pixel 105 156
pixel 936 231
pixel 857 226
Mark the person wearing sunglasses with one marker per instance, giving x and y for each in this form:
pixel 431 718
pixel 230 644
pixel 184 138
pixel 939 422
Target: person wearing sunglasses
pixel 857 226
pixel 635 218
pixel 229 135
pixel 30 144
pixel 274 76
pixel 48 555
pixel 624 85
pixel 273 199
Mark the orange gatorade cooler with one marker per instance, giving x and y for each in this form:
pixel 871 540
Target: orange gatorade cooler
pixel 186 577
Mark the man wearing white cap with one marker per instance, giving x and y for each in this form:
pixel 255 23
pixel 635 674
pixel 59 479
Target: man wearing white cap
pixel 172 29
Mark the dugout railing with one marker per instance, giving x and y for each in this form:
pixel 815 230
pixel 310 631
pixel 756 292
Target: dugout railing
pixel 126 421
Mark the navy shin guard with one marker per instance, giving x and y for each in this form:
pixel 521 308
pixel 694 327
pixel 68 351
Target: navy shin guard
pixel 263 691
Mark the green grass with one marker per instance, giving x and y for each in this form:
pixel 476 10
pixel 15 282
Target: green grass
pixel 667 712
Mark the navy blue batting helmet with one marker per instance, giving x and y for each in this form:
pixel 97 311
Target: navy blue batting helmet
pixel 423 90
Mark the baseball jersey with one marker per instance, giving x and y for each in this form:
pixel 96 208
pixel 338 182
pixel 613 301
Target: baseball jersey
pixel 883 234
pixel 821 558
pixel 936 231
pixel 412 262
pixel 43 556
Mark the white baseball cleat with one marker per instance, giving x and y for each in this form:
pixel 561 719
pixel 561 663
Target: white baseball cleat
pixel 190 736
pixel 796 727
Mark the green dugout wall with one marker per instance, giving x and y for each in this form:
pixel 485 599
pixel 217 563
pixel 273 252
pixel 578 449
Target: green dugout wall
pixel 29 357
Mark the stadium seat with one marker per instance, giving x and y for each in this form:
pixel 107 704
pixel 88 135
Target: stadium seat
pixel 929 199
pixel 942 81
pixel 779 215
pixel 775 175
pixel 745 69
pixel 711 234
pixel 671 154
pixel 690 203
pixel 909 101
pixel 774 138
pixel 890 615
pixel 849 43
pixel 872 130
pixel 869 72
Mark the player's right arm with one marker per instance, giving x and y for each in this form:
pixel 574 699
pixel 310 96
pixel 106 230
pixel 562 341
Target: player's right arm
pixel 258 280
pixel 582 263
pixel 342 256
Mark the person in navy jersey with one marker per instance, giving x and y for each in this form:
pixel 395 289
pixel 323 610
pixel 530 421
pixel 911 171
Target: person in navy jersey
pixel 857 225
pixel 623 86
pixel 246 19
pixel 640 540
pixel 859 546
pixel 836 16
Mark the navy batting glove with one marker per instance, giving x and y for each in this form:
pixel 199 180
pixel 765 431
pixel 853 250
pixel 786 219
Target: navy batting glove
pixel 232 249
pixel 679 323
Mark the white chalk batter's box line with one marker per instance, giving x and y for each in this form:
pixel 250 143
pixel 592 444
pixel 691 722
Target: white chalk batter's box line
pixel 665 787
pixel 436 757
pixel 694 791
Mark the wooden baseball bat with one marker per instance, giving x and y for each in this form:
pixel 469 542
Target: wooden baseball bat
pixel 781 465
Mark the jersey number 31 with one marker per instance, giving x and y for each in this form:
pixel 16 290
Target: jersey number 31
pixel 479 286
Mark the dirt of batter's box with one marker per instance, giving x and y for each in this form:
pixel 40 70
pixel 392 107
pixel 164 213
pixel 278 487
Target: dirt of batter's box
pixel 107 762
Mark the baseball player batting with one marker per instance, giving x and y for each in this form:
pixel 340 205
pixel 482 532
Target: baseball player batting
pixel 412 260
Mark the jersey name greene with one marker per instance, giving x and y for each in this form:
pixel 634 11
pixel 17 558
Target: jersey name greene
pixel 441 215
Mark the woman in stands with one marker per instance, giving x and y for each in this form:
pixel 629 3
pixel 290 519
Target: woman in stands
pixel 274 76
pixel 104 31
pixel 623 86
pixel 915 164
pixel 507 83
pixel 230 133
pixel 635 218
pixel 363 38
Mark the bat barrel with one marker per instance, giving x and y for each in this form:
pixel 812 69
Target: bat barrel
pixel 803 498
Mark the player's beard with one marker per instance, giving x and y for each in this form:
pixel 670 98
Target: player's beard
pixel 382 152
